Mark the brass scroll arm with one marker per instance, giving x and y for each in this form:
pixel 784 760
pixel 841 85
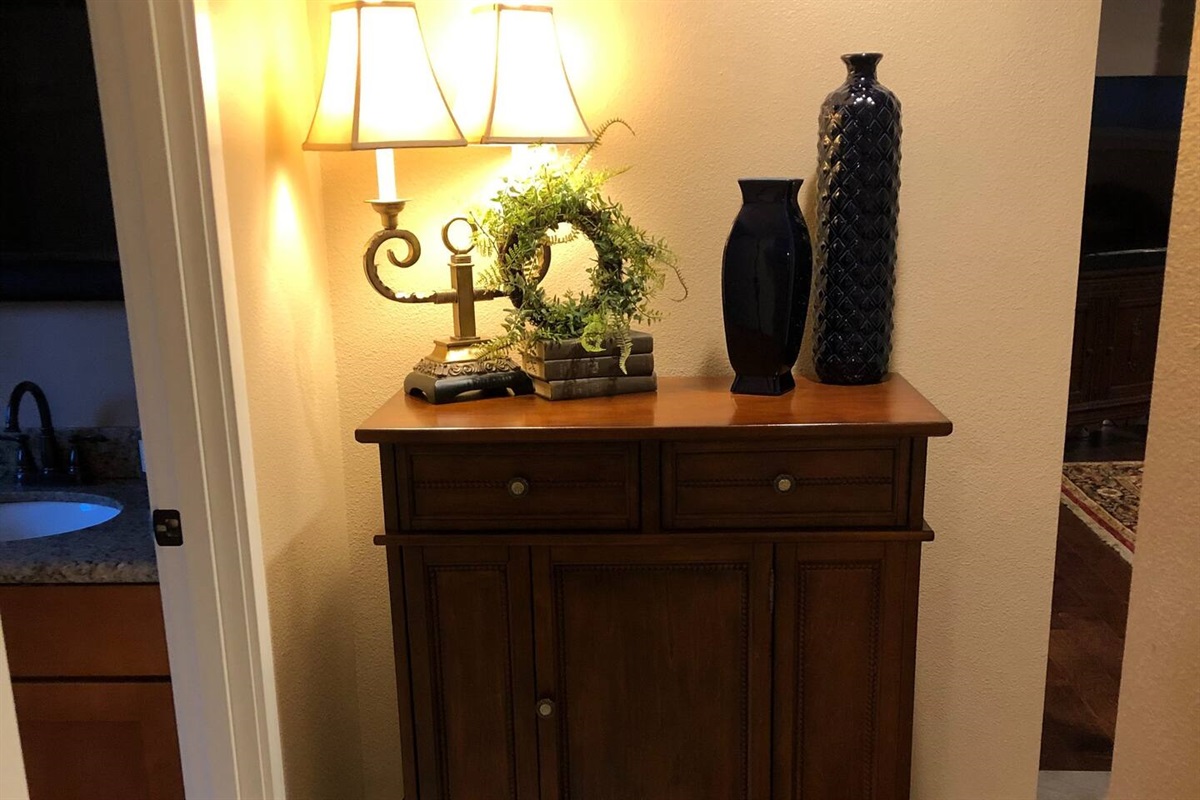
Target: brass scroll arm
pixel 389 213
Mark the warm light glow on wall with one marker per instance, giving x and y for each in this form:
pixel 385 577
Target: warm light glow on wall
pixel 285 217
pixel 517 90
pixel 379 88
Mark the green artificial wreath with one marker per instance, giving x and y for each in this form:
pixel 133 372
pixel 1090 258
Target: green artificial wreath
pixel 629 269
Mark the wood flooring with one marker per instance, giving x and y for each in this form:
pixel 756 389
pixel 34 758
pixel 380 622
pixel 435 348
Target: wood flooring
pixel 1087 622
pixel 1087 642
pixel 1108 443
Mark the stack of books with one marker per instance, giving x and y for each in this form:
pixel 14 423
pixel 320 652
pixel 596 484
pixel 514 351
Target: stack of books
pixel 566 371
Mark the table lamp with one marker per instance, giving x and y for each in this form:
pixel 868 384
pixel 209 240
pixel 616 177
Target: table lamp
pixel 380 92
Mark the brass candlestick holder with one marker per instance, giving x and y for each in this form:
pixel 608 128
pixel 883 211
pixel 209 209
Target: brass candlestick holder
pixel 453 368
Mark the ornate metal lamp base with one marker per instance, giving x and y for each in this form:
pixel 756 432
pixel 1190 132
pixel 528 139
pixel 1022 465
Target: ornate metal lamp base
pixel 452 370
pixel 489 384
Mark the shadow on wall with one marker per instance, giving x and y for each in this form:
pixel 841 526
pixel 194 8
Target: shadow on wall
pixel 312 697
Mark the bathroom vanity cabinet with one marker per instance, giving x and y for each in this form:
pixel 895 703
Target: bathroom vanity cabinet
pixel 92 689
pixel 688 594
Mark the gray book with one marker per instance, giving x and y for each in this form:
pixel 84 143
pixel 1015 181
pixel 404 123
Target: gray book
pixel 571 348
pixel 594 387
pixel 563 369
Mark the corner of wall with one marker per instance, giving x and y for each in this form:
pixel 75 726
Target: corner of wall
pixel 259 94
pixel 1158 718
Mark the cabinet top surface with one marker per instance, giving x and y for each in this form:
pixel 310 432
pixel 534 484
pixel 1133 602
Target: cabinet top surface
pixel 681 408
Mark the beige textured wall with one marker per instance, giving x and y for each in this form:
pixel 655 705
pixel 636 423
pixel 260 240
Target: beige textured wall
pixel 1158 723
pixel 12 777
pixel 263 98
pixel 993 168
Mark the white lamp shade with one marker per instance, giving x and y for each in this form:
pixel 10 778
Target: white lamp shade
pixel 519 92
pixel 379 89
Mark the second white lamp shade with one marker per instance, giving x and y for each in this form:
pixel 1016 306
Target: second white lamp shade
pixel 517 91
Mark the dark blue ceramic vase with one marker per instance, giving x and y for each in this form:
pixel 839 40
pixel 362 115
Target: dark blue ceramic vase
pixel 858 186
pixel 765 279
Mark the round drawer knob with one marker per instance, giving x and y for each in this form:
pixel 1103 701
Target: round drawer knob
pixel 784 483
pixel 545 708
pixel 518 487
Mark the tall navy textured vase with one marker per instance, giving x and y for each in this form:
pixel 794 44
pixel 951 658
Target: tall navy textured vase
pixel 858 186
pixel 765 280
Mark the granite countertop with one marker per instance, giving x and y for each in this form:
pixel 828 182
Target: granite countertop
pixel 118 551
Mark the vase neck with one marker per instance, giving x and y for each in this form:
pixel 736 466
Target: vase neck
pixel 769 190
pixel 861 66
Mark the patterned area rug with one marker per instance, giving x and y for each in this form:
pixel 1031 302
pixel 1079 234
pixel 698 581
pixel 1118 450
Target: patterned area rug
pixel 1105 495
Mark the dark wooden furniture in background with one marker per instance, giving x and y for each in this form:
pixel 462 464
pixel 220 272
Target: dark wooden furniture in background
pixel 687 595
pixel 1116 334
pixel 92 690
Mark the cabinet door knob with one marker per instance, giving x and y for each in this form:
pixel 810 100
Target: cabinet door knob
pixel 784 483
pixel 518 487
pixel 545 708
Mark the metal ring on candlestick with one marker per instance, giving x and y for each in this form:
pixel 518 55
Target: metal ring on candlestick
pixel 458 251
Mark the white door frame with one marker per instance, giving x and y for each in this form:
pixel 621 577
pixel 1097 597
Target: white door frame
pixel 191 395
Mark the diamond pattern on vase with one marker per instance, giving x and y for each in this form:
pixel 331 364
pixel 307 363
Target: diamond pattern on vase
pixel 858 186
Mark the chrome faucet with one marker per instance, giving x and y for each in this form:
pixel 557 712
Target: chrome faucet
pixel 27 471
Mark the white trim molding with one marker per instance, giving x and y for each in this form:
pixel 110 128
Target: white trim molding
pixel 12 763
pixel 190 396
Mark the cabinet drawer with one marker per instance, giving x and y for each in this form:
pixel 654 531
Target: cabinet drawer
pixel 504 487
pixel 826 484
pixel 97 630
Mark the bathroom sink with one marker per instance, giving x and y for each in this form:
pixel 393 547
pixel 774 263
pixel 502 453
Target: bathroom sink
pixel 30 515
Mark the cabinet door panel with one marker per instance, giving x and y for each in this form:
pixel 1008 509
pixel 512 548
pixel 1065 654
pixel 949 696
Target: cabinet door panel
pixel 1132 352
pixel 1083 357
pixel 657 660
pixel 1116 333
pixel 90 740
pixel 845 619
pixel 472 672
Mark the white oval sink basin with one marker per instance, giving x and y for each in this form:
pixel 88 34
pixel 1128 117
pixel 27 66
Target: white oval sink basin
pixel 29 516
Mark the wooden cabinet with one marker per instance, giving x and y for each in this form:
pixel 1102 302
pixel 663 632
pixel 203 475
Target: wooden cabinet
pixel 586 485
pixel 653 671
pixel 92 691
pixel 844 628
pixel 680 596
pixel 1116 336
pixel 472 670
pixel 85 739
pixel 783 484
